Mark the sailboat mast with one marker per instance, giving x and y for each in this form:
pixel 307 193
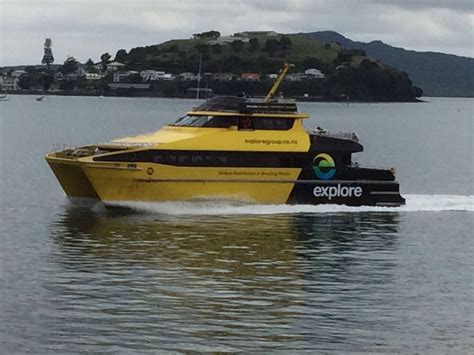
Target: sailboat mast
pixel 199 77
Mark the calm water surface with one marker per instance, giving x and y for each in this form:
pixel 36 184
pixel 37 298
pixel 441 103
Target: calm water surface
pixel 210 277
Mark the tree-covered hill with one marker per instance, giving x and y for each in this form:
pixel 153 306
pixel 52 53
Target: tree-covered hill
pixel 264 54
pixel 348 73
pixel 438 74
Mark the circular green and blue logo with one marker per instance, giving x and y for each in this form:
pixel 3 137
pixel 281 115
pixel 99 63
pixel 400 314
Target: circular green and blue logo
pixel 324 166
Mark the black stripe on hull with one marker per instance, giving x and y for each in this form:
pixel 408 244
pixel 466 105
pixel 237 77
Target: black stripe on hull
pixel 224 159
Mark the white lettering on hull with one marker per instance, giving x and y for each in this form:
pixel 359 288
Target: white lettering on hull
pixel 337 191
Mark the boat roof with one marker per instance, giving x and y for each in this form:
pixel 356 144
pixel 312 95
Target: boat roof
pixel 241 106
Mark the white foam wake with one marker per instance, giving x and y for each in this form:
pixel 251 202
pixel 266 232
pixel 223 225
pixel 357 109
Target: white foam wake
pixel 414 203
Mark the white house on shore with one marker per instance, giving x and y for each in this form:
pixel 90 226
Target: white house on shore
pixel 314 73
pixel 119 76
pixel 187 76
pixel 8 82
pixel 17 73
pixel 93 76
pixel 152 75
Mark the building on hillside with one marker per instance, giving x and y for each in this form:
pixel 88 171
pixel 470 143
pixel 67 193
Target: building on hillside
pixel 115 66
pixel 9 82
pixel 187 76
pixel 168 77
pixel 313 73
pixel 93 76
pixel 250 76
pixel 152 75
pixel 120 76
pixel 304 76
pixel 294 77
pixel 223 76
pixel 228 39
pixel 256 33
pixel 17 73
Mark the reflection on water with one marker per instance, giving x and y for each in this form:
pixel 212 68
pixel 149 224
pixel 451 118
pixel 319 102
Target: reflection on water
pixel 226 283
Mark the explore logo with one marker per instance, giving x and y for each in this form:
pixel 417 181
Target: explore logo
pixel 324 166
pixel 337 191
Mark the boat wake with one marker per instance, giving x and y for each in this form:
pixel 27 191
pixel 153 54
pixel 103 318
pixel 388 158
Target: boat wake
pixel 414 203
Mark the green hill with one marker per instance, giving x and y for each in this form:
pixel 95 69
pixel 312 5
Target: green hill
pixel 348 73
pixel 438 74
pixel 184 54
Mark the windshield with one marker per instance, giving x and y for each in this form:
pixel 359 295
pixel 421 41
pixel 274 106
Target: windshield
pixel 243 122
pixel 206 121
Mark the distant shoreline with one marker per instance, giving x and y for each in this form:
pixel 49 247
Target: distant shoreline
pixel 88 93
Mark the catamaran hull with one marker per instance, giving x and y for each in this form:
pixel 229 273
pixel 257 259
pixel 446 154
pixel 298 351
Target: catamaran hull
pixel 72 178
pixel 144 182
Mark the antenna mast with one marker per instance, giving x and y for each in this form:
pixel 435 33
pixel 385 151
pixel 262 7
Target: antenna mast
pixel 279 79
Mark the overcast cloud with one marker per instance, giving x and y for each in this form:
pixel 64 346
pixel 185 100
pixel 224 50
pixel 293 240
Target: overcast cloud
pixel 87 28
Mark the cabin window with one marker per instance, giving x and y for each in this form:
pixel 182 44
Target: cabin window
pixel 221 122
pixel 206 121
pixel 158 158
pixel 186 121
pixel 278 124
pixel 244 123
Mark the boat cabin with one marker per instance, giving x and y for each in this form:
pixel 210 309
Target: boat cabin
pixel 243 113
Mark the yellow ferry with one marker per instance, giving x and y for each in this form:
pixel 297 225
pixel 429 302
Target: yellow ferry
pixel 229 148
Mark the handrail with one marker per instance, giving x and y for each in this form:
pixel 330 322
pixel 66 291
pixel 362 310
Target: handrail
pixel 341 135
pixel 57 147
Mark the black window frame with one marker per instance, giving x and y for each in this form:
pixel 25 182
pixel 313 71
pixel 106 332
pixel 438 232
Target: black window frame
pixel 220 159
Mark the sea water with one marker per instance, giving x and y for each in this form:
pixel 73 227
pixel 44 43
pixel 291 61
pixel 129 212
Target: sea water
pixel 213 276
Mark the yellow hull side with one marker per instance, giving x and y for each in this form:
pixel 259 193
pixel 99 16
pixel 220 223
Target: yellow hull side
pixel 154 182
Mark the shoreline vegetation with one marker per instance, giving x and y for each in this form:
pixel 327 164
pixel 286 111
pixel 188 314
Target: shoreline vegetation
pixel 244 63
pixel 138 94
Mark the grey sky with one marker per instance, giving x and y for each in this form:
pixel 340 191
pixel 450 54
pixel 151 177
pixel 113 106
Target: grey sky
pixel 87 28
